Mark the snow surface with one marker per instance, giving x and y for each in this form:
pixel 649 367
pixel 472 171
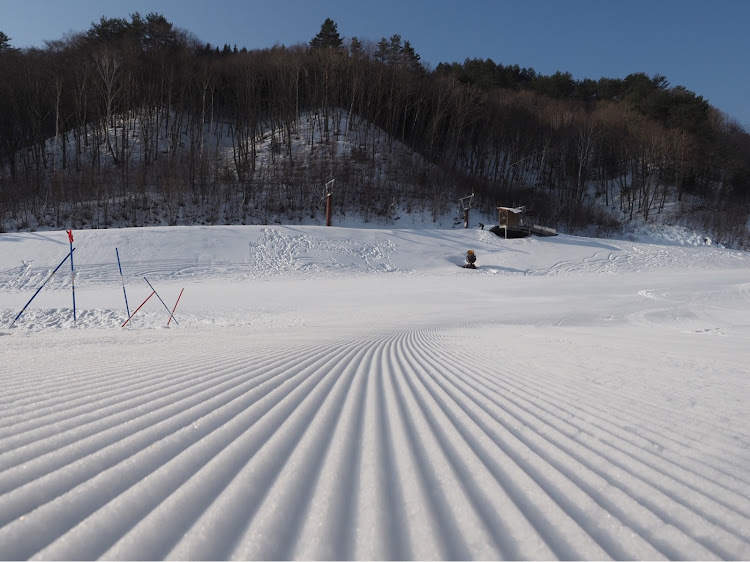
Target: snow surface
pixel 351 393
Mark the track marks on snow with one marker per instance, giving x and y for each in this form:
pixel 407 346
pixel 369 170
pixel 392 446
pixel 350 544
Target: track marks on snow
pixel 399 445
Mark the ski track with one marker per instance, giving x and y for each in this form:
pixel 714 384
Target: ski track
pixel 274 252
pixel 393 445
pixel 257 435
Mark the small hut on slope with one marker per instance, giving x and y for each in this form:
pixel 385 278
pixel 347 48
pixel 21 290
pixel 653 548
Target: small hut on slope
pixel 513 223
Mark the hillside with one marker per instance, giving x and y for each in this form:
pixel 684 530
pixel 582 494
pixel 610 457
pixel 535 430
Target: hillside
pixel 372 173
pixel 136 122
pixel 351 393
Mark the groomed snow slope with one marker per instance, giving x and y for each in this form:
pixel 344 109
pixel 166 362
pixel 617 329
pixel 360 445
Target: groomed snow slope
pixel 352 393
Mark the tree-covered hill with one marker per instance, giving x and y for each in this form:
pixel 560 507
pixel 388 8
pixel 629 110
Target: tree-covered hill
pixel 134 113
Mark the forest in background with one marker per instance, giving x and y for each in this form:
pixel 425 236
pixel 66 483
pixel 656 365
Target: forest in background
pixel 106 126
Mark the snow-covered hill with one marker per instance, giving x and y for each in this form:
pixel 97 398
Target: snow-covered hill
pixel 352 393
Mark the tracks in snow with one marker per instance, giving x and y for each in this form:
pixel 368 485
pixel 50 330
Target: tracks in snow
pixel 269 253
pixel 399 445
pixel 624 257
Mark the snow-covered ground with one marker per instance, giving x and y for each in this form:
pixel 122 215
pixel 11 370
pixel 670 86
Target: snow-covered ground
pixel 352 393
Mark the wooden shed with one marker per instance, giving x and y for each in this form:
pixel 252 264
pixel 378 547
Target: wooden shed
pixel 511 216
pixel 513 223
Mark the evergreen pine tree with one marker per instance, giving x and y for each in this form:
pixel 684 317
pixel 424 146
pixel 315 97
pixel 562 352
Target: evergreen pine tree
pixel 328 36
pixel 410 57
pixel 381 53
pixel 4 42
pixel 356 48
pixel 394 49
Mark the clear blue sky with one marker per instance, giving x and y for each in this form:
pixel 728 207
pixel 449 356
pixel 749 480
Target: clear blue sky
pixel 703 45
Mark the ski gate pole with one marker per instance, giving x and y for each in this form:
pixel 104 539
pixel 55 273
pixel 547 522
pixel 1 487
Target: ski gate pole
pixel 162 302
pixel 70 254
pixel 123 283
pixel 137 309
pixel 175 305
pixel 72 274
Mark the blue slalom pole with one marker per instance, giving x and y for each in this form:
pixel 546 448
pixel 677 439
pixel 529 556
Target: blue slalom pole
pixel 72 274
pixel 123 282
pixel 42 286
pixel 162 302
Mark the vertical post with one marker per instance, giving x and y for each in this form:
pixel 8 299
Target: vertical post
pixel 127 308
pixel 464 204
pixel 72 274
pixel 329 196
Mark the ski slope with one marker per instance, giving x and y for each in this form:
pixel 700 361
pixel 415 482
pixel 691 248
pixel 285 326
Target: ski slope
pixel 351 393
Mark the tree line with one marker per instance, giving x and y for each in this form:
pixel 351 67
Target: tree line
pixel 135 119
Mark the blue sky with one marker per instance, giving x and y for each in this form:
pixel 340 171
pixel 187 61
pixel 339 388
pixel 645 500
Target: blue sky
pixel 702 45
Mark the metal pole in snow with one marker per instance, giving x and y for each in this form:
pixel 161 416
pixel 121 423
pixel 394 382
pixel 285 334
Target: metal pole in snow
pixel 162 302
pixel 42 286
pixel 328 210
pixel 123 282
pixel 72 274
pixel 137 309
pixel 175 305
pixel 329 196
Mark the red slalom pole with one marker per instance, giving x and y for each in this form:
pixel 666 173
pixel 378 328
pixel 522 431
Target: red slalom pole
pixel 72 274
pixel 175 306
pixel 137 309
